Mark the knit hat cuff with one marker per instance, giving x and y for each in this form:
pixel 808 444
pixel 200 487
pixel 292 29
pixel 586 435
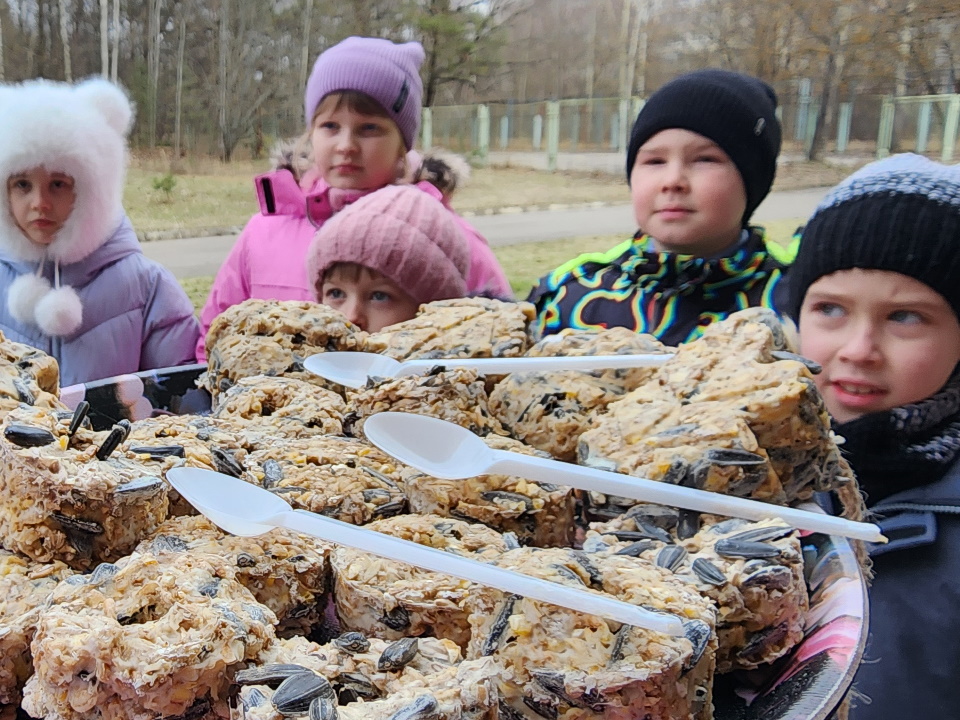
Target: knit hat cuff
pixel 911 234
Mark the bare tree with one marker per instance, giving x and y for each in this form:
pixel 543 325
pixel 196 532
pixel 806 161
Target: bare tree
pixel 104 37
pixel 115 54
pixel 65 39
pixel 305 47
pixel 178 106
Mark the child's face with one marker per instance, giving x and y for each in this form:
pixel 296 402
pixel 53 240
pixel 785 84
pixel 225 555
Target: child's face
pixel 884 340
pixel 368 299
pixel 355 151
pixel 40 202
pixel 687 193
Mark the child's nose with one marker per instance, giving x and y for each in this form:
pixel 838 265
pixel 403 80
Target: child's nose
pixel 674 175
pixel 42 199
pixel 346 140
pixel 860 346
pixel 355 311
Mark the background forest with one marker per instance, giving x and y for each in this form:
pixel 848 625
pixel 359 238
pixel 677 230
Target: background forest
pixel 225 76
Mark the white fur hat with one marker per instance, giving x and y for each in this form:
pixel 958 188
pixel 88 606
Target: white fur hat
pixel 79 130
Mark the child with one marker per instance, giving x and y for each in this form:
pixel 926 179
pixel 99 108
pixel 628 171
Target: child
pixel 75 283
pixel 362 106
pixel 702 156
pixel 387 253
pixel 876 288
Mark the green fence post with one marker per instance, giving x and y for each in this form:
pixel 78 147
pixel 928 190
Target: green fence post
pixel 537 132
pixel 885 133
pixel 843 127
pixel 624 125
pixel 483 132
pixel 923 126
pixel 553 134
pixel 575 128
pixel 810 127
pixel 950 129
pixel 426 129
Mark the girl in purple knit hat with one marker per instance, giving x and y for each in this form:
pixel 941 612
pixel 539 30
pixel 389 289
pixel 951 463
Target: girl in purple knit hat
pixel 385 255
pixel 362 108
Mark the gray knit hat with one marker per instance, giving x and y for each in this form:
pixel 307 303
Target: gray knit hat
pixel 900 214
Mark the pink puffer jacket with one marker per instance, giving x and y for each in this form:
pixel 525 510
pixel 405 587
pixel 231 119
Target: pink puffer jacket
pixel 268 261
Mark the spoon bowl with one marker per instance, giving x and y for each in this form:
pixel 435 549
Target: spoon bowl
pixel 446 450
pixel 245 509
pixel 238 507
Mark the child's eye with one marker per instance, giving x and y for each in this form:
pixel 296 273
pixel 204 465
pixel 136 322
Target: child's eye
pixel 380 296
pixel 652 160
pixel 327 125
pixel 20 184
pixel 333 293
pixel 707 158
pixel 906 317
pixel 828 309
pixel 370 128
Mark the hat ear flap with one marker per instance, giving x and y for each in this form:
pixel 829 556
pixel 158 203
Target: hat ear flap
pixel 110 101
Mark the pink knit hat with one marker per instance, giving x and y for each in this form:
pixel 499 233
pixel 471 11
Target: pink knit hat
pixel 401 232
pixel 388 72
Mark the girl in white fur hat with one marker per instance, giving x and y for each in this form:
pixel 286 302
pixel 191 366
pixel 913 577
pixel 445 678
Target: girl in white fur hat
pixel 73 281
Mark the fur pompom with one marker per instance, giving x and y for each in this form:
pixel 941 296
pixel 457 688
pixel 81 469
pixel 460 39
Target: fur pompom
pixel 110 101
pixel 60 312
pixel 24 295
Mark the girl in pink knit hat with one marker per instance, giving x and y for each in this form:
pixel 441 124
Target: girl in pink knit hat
pixel 389 252
pixel 362 109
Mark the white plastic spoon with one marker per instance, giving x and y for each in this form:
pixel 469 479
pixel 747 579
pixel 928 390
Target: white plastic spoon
pixel 445 450
pixel 245 509
pixel 351 369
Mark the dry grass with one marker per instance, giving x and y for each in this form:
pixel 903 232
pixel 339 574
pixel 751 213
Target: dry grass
pixel 210 194
pixel 525 264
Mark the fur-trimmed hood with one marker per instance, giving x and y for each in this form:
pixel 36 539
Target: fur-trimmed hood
pixel 79 130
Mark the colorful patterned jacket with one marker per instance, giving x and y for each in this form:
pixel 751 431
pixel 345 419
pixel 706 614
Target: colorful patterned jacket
pixel 673 297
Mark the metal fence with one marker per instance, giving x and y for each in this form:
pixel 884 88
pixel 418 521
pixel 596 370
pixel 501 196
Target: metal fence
pixel 867 126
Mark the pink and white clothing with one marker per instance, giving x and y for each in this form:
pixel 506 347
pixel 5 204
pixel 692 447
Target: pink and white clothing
pixel 268 261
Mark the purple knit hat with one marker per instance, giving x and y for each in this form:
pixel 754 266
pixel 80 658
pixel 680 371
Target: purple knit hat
pixel 401 232
pixel 386 71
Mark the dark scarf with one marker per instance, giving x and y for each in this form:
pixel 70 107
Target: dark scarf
pixel 905 447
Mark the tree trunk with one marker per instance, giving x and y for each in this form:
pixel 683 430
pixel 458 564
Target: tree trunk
pixel 305 48
pixel 625 48
pixel 179 96
pixel 115 53
pixel 2 75
pixel 65 40
pixel 836 60
pixel 632 52
pixel 591 50
pixel 153 69
pixel 105 38
pixel 225 148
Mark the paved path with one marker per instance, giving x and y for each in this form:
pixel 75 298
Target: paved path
pixel 194 257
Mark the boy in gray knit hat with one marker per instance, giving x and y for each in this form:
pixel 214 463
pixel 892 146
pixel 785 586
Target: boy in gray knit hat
pixel 876 290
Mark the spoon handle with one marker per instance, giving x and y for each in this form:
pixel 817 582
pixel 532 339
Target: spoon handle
pixel 499 366
pixel 471 570
pixel 586 478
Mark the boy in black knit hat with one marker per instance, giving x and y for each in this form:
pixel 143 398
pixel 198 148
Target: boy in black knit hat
pixel 702 156
pixel 876 290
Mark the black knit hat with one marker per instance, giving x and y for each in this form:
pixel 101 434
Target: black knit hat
pixel 735 111
pixel 900 214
